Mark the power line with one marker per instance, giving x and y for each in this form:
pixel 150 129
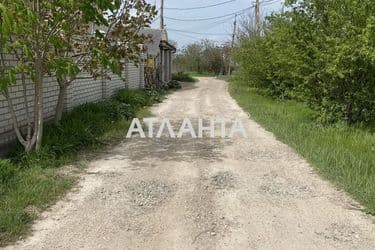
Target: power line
pixel 206 19
pixel 202 7
pixel 198 33
pixel 187 36
pixel 263 3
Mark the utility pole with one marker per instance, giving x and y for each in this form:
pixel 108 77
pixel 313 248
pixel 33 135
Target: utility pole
pixel 162 14
pixel 232 45
pixel 257 17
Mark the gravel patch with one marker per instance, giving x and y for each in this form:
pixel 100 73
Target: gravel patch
pixel 223 180
pixel 150 194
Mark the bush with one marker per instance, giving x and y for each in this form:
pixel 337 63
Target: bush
pixel 183 77
pixel 174 85
pixel 321 53
pixel 156 95
pixel 135 98
pixel 117 110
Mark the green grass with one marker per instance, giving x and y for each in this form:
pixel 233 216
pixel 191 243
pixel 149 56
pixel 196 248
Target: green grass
pixel 342 154
pixel 31 190
pixel 29 183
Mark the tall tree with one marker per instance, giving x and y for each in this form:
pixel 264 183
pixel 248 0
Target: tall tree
pixel 52 37
pixel 98 41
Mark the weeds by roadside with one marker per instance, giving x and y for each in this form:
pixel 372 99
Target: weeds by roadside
pixel 344 155
pixel 29 183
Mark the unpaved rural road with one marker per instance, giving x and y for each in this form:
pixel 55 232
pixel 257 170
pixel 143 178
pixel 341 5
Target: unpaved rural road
pixel 253 193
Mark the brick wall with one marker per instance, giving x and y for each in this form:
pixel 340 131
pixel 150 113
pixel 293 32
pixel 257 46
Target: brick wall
pixel 135 75
pixel 80 92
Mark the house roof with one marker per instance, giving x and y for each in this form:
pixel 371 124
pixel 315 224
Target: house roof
pixel 156 38
pixel 153 40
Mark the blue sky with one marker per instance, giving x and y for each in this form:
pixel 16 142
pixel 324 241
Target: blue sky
pixel 217 29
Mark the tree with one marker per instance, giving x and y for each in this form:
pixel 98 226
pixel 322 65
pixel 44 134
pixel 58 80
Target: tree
pixel 204 57
pixel 246 27
pixel 52 38
pixel 320 52
pixel 23 30
pixel 98 45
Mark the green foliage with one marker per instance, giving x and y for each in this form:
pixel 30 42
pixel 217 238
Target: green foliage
pixel 183 77
pixel 343 154
pixel 174 84
pixel 136 98
pixel 156 95
pixel 319 52
pixel 63 39
pixel 204 57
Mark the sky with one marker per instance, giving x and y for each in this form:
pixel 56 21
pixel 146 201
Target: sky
pixel 219 30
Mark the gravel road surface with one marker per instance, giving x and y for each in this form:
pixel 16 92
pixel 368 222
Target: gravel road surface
pixel 239 193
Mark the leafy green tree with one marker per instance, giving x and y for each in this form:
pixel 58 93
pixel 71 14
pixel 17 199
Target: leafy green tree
pixel 99 41
pixel 204 57
pixel 54 38
pixel 321 52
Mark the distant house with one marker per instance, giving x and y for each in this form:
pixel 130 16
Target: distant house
pixel 158 52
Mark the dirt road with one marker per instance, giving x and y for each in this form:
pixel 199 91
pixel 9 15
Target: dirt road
pixel 253 193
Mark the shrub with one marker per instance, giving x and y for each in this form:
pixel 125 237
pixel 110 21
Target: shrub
pixel 117 110
pixel 156 95
pixel 174 85
pixel 321 53
pixel 135 98
pixel 183 77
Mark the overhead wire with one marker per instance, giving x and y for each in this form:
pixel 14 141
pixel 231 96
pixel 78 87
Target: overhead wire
pixel 209 18
pixel 224 18
pixel 201 7
pixel 198 33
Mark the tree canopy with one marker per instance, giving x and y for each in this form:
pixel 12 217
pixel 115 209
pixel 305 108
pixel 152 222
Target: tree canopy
pixel 62 38
pixel 321 52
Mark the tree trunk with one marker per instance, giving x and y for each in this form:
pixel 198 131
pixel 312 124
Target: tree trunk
pixel 38 109
pixel 26 103
pixel 60 103
pixel 14 119
pixel 39 120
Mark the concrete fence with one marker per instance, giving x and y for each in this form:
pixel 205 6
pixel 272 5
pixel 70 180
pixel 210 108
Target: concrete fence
pixel 81 91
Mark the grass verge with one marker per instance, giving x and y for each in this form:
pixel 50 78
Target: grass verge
pixel 29 183
pixel 342 154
